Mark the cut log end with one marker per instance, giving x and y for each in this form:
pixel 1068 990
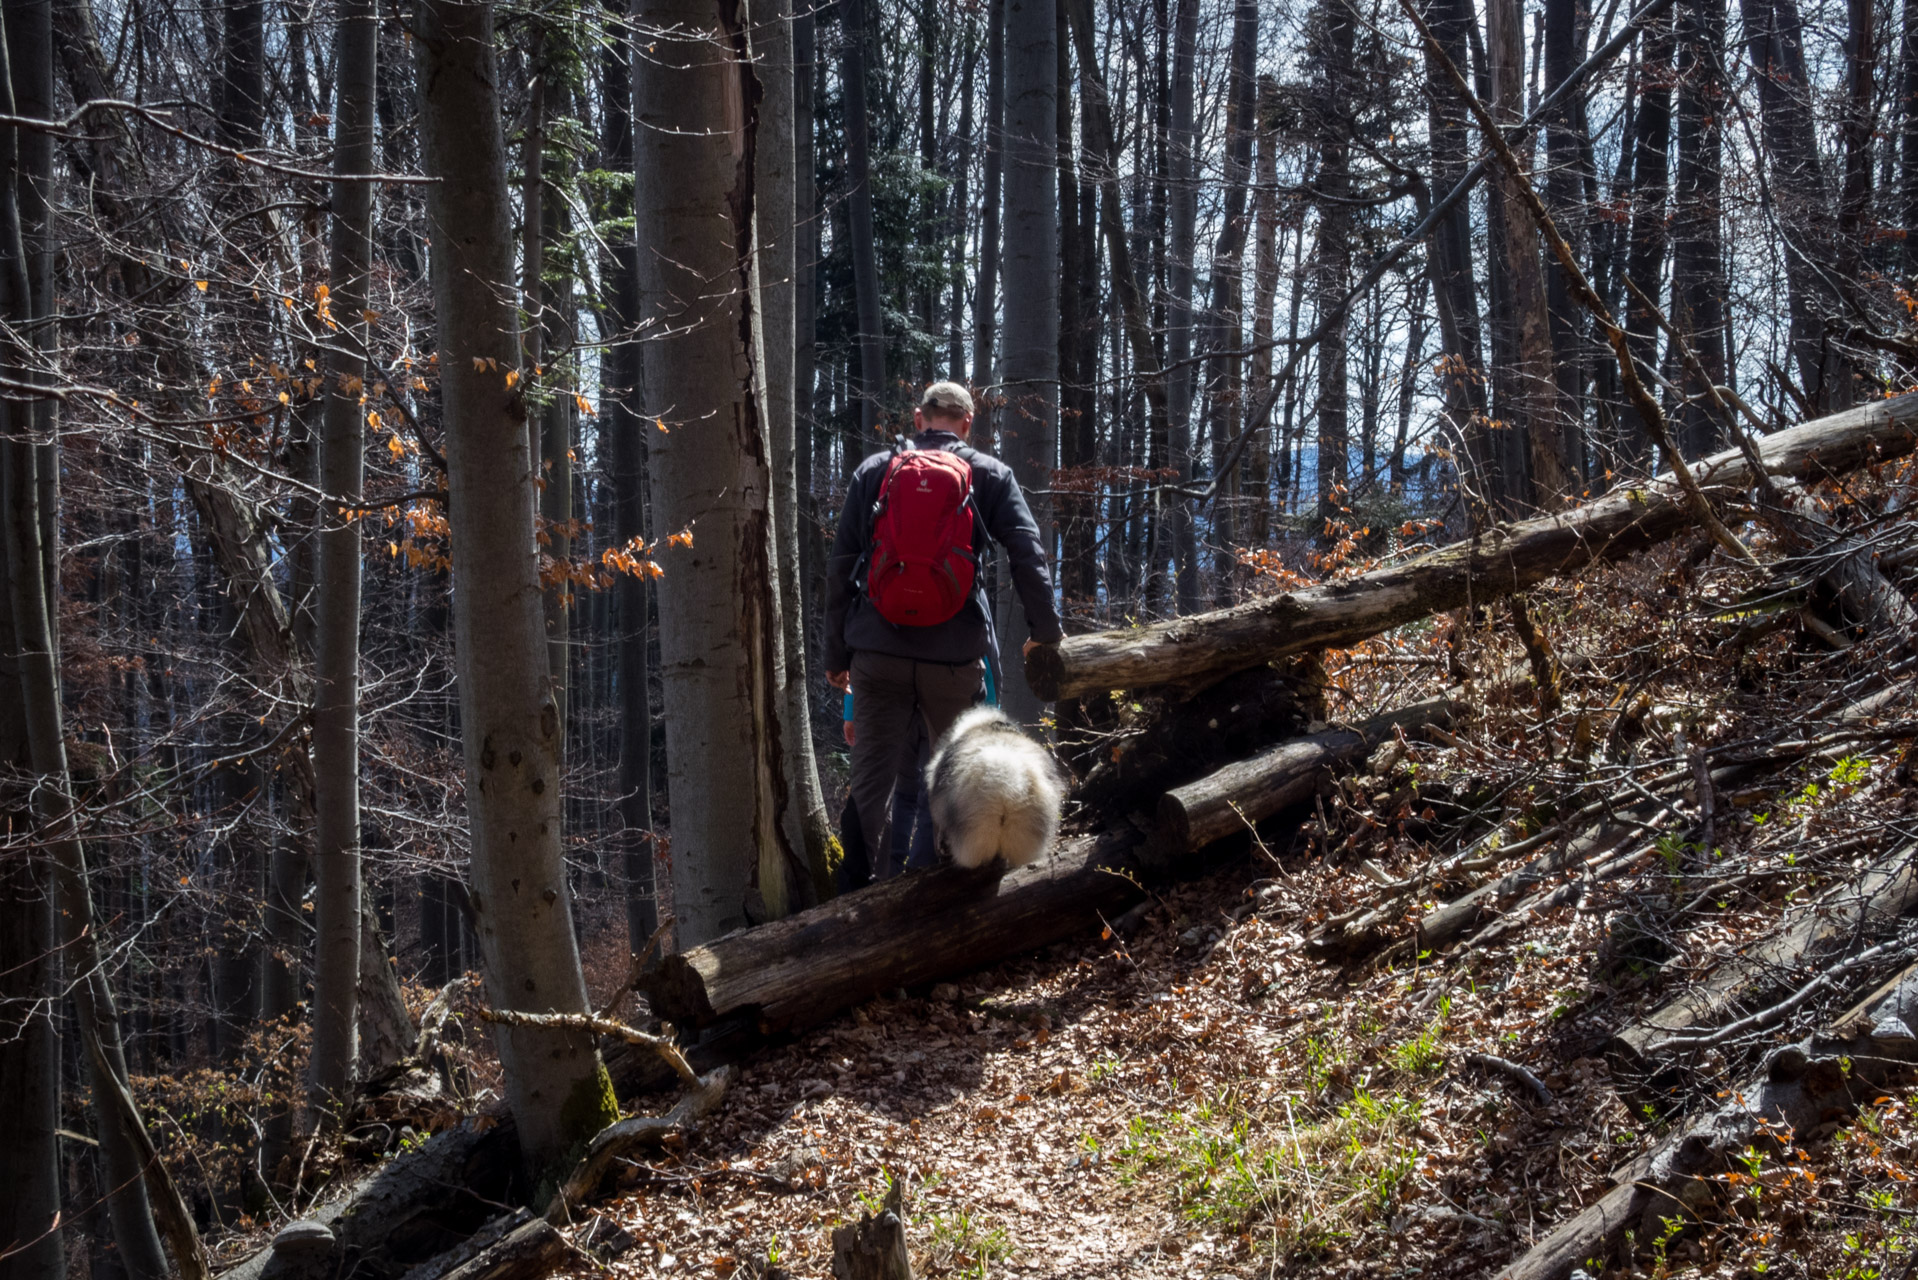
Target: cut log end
pixel 1044 672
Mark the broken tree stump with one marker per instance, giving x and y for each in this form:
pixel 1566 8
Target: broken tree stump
pixel 915 928
pixel 1508 558
pixel 1229 800
pixel 874 1248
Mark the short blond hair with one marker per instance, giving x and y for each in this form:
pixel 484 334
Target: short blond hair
pixel 946 400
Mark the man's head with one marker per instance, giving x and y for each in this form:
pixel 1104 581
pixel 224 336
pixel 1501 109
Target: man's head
pixel 945 406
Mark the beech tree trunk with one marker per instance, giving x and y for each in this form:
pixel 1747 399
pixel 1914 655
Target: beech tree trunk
pixel 1181 245
pixel 1196 651
pixel 619 410
pixel 1028 425
pixel 870 384
pixel 985 298
pixel 510 724
pixel 777 218
pixel 711 472
pixel 1698 255
pixel 336 685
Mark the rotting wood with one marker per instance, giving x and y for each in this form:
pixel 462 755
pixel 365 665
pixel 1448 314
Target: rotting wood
pixel 1885 890
pixel 916 928
pixel 530 1252
pixel 1800 1087
pixel 874 1248
pixel 1505 559
pixel 1229 800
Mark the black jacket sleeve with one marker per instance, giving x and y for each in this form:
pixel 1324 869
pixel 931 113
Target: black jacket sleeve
pixel 848 545
pixel 1009 521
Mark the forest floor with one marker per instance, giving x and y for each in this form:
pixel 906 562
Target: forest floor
pixel 1210 1095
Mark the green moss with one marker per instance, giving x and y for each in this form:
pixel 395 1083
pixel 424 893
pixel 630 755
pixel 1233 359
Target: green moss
pixel 591 1107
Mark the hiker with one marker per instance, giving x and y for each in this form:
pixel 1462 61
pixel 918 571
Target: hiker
pixel 908 628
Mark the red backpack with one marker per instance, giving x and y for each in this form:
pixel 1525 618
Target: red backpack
pixel 921 566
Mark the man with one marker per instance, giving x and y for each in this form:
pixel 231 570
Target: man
pixel 900 672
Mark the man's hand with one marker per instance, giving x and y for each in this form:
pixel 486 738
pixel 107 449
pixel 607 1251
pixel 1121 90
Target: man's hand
pixel 840 680
pixel 1026 650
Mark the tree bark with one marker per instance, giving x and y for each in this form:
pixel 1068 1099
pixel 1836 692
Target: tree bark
pixel 915 928
pixel 710 472
pixel 870 382
pixel 1645 260
pixel 1531 380
pixel 777 219
pixel 1029 422
pixel 336 685
pixel 1265 288
pixel 1199 650
pixel 31 602
pixel 619 408
pixel 1484 472
pixel 1332 270
pixel 985 301
pixel 555 1085
pixel 1698 255
pixel 1180 273
pixel 29 1003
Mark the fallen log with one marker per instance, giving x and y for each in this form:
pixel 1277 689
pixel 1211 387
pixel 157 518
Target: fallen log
pixel 1215 806
pixel 1174 741
pixel 917 928
pixel 532 1251
pixel 1800 1088
pixel 1885 890
pixel 1509 558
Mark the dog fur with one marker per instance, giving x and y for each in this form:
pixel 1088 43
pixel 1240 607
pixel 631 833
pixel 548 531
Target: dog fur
pixel 995 792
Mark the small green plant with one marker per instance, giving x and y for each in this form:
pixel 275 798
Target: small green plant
pixel 963 1244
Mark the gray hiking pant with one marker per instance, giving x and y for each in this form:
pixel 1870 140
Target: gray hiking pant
pixel 888 694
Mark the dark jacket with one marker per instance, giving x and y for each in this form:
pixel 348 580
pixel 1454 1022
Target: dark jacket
pixel 999 514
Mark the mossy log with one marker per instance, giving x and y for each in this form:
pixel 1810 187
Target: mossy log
pixel 1195 650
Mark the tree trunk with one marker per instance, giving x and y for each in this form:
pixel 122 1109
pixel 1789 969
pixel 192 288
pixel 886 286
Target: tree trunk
pixel 1645 260
pixel 1908 137
pixel 870 382
pixel 710 472
pixel 1183 211
pixel 619 408
pixel 777 219
pixel 1029 425
pixel 29 998
pixel 509 722
pixel 1564 50
pixel 1698 256
pixel 336 685
pixel 1265 288
pixel 985 302
pixel 1532 378
pixel 1333 268
pixel 1198 651
pixel 1226 326
pixel 1483 472
pixel 1775 40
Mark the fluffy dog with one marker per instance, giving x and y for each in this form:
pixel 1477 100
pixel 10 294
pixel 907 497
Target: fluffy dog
pixel 995 793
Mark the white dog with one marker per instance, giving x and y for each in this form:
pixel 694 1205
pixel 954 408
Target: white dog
pixel 995 792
